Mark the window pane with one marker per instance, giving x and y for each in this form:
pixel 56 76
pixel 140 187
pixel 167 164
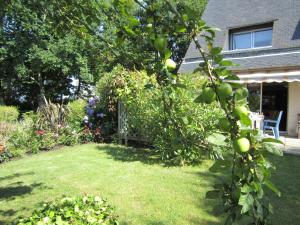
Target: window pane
pixel 263 38
pixel 241 41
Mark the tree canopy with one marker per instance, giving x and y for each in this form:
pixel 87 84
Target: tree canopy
pixel 46 45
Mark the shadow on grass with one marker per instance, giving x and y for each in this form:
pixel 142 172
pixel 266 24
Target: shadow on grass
pixel 13 191
pixel 130 154
pixel 212 201
pixel 286 177
pixel 19 189
pixel 9 213
pixel 145 155
pixel 15 175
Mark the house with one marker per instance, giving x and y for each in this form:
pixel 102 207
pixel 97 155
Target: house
pixel 263 37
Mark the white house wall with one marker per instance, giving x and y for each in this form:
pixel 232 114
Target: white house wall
pixel 293 108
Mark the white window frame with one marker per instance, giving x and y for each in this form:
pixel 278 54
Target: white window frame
pixel 252 32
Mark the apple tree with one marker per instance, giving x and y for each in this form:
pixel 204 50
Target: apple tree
pixel 244 148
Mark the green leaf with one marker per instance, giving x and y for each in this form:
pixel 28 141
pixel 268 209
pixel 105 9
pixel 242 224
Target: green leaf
pixel 246 189
pixel 181 29
pixel 246 201
pixel 168 54
pixel 276 150
pixel 245 120
pixel 272 187
pixel 259 209
pixel 129 30
pixel 133 21
pixel 218 58
pixel 232 77
pixel 215 29
pixel 259 173
pixel 51 214
pixel 201 24
pixel 217 139
pixel 216 51
pixel 272 140
pixel 227 63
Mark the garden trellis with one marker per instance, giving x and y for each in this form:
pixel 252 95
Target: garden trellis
pixel 126 131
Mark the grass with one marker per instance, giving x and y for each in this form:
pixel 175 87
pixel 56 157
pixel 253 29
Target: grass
pixel 142 190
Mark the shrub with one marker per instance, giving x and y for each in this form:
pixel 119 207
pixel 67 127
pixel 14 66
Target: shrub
pixel 5 155
pixel 76 113
pixel 51 116
pixel 80 210
pixel 20 140
pixel 180 133
pixel 68 136
pixel 5 131
pixel 8 114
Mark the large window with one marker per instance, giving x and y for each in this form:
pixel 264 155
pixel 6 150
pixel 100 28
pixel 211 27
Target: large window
pixel 251 39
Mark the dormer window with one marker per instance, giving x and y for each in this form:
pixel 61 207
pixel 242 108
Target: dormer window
pixel 245 38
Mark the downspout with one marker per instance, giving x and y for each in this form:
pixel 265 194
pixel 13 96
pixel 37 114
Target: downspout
pixel 261 96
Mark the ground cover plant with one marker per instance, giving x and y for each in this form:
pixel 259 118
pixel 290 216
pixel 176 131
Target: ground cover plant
pixel 71 210
pixel 142 190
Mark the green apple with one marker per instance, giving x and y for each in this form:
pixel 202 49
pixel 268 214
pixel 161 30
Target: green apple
pixel 160 43
pixel 209 95
pixel 241 145
pixel 240 111
pixel 170 64
pixel 149 26
pixel 241 94
pixel 250 158
pixel 224 90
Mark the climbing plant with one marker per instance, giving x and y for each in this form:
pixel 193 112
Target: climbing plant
pixel 245 149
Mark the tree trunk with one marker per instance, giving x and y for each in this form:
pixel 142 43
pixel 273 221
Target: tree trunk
pixel 42 96
pixel 1 93
pixel 77 93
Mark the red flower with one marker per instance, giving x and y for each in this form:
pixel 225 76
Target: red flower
pixel 40 132
pixel 98 130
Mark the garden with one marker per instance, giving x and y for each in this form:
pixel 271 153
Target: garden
pixel 72 70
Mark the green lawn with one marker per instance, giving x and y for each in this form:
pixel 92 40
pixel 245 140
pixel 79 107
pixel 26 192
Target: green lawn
pixel 142 190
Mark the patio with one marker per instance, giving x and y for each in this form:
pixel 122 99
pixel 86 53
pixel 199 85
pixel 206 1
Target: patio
pixel 291 145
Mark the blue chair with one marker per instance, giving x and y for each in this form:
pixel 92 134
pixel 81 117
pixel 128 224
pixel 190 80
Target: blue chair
pixel 273 125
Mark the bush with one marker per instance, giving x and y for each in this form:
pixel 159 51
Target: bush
pixel 21 138
pixel 80 210
pixel 51 116
pixel 76 113
pixel 180 132
pixel 68 136
pixel 8 114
